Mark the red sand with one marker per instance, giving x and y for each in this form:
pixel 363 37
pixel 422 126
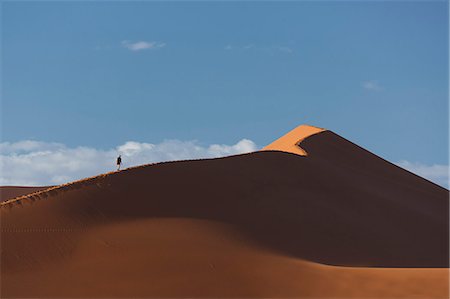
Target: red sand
pixel 289 142
pixel 255 225
pixel 8 192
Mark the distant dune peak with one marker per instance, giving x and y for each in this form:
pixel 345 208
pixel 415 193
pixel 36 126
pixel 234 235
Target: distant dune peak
pixel 290 142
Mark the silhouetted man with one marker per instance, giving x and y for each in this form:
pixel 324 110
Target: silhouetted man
pixel 119 162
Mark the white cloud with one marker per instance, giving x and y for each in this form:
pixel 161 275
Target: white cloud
pixel 372 85
pixel 27 146
pixel 34 163
pixel 142 45
pixel 436 173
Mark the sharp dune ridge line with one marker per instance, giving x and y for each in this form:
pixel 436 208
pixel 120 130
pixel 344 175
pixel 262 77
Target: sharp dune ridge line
pixel 9 192
pixel 89 180
pixel 290 142
pixel 327 220
pixel 63 187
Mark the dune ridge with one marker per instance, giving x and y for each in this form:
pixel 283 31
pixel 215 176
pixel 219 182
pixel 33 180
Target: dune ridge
pixel 45 191
pixel 290 142
pixel 9 192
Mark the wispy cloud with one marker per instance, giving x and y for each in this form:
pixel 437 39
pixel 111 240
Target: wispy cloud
pixel 142 45
pixel 34 163
pixel 283 49
pixel 266 48
pixel 436 173
pixel 372 85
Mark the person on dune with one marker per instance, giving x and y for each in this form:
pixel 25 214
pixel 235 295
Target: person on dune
pixel 119 162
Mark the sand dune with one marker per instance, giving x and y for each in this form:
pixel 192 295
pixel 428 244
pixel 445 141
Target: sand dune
pixel 339 222
pixel 290 142
pixel 185 257
pixel 9 192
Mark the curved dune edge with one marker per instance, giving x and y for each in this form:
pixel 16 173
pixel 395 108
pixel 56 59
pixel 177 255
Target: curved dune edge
pixel 290 142
pixel 41 194
pixel 9 192
pixel 287 143
pixel 37 195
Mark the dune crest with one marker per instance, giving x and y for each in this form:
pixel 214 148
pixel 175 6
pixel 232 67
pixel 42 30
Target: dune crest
pixel 290 142
pixel 9 192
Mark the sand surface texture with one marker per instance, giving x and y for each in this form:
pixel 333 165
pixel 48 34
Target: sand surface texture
pixel 8 192
pixel 337 223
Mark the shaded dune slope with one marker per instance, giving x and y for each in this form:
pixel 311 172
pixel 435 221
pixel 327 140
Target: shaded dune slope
pixel 9 192
pixel 340 205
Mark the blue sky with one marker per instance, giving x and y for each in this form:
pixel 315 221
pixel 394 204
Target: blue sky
pixel 99 74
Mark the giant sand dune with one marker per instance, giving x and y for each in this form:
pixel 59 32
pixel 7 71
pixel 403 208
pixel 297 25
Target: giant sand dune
pixel 311 215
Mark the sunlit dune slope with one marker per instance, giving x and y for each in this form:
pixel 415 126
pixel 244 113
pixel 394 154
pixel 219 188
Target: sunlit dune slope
pixel 290 142
pixel 189 258
pixel 254 225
